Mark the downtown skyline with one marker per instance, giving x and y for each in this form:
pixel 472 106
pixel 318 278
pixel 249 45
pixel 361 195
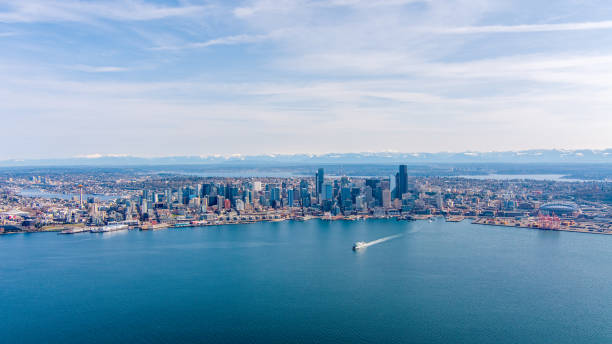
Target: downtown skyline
pixel 168 78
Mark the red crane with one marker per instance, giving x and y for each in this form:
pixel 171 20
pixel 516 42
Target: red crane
pixel 548 221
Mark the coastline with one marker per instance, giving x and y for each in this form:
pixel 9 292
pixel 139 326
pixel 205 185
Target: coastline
pixel 528 223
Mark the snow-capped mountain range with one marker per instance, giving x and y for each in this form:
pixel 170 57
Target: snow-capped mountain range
pixel 525 156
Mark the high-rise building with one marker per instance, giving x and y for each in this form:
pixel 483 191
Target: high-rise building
pixel 247 196
pixel 256 186
pixel 204 204
pixel 327 191
pixel 345 194
pixel 360 202
pixel 239 205
pixel 401 181
pixel 168 197
pixel 275 194
pixel 320 178
pixel 81 195
pixel 290 197
pixel 386 198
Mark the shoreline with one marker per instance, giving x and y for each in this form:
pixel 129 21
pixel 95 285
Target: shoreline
pixel 529 223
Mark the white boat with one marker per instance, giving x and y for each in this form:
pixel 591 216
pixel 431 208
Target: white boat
pixel 358 245
pixel 154 227
pixel 110 228
pixel 74 230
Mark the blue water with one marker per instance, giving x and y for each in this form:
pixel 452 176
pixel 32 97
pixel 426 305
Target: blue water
pixel 299 282
pixel 538 177
pixel 67 196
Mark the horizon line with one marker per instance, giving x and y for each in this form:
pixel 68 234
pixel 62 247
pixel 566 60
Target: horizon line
pixel 415 154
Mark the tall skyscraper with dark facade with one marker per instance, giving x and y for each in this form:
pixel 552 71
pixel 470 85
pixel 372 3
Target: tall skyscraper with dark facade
pixel 290 197
pixel 401 181
pixel 320 178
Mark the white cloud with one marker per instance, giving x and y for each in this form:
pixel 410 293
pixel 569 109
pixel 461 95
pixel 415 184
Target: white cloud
pixel 341 75
pixel 366 3
pixel 291 5
pixel 602 25
pixel 227 40
pixel 99 69
pixel 230 40
pixel 29 11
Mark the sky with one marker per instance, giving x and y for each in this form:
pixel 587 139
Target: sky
pixel 194 77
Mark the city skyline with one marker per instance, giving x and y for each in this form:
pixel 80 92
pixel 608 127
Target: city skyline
pixel 324 171
pixel 148 200
pixel 126 254
pixel 258 77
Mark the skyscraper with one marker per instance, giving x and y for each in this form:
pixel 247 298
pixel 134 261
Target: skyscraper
pixel 320 178
pixel 275 194
pixel 386 198
pixel 327 191
pixel 401 179
pixel 290 197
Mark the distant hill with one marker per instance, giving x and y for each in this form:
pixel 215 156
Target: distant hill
pixel 526 156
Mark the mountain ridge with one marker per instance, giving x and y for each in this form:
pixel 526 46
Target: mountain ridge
pixel 523 156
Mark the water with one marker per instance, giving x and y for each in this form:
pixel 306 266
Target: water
pixel 379 241
pixel 300 282
pixel 539 177
pixel 67 196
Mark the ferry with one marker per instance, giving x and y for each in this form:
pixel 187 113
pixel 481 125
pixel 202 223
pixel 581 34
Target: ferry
pixel 303 218
pixel 358 245
pixel 75 230
pixel 110 228
pixel 154 227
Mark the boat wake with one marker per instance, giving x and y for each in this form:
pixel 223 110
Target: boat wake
pixel 359 245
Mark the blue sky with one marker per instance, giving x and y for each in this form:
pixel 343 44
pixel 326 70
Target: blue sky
pixel 158 78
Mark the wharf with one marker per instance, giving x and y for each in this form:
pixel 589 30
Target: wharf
pixel 581 227
pixel 455 218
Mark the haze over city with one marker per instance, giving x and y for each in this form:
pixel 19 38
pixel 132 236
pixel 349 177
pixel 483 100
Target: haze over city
pixel 162 78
